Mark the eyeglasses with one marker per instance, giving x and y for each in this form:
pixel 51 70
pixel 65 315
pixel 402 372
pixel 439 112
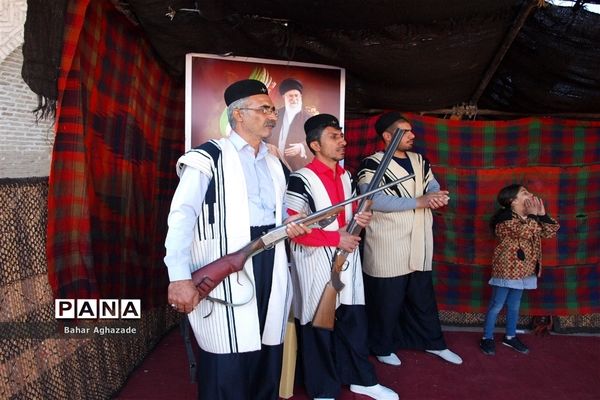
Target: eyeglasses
pixel 264 109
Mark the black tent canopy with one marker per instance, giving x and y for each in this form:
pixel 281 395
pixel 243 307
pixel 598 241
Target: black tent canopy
pixel 522 57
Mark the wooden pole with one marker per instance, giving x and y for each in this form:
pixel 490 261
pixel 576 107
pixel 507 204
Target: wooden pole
pixel 451 111
pixel 506 43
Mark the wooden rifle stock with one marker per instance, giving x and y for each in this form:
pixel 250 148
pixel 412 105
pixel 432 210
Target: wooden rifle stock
pixel 325 313
pixel 209 276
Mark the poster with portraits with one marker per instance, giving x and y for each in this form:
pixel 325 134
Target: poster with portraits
pixel 298 91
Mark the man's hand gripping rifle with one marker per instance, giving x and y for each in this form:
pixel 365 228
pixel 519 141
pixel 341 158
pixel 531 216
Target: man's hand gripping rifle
pixel 209 276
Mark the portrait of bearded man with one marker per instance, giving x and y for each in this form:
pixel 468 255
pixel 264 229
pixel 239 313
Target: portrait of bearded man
pixel 288 135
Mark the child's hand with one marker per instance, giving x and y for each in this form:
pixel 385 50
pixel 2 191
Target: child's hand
pixel 541 210
pixel 529 208
pixel 535 206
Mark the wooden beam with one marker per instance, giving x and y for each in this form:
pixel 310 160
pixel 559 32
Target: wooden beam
pixel 452 111
pixel 506 43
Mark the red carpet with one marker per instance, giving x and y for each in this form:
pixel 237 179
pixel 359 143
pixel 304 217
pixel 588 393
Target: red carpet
pixel 558 367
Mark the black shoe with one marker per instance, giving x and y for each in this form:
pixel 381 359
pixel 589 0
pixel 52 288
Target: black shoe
pixel 516 344
pixel 488 346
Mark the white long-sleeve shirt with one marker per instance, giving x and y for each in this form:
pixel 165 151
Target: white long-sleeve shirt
pixel 189 197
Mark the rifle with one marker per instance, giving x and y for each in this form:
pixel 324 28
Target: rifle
pixel 209 276
pixel 325 314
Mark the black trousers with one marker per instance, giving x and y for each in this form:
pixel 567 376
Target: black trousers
pixel 329 359
pixel 245 376
pixel 402 313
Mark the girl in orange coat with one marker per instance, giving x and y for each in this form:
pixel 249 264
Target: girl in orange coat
pixel 519 226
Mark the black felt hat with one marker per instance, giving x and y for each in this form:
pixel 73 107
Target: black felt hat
pixel 290 84
pixel 321 121
pixel 386 120
pixel 246 88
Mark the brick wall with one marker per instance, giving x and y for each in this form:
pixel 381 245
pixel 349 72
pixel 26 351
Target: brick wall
pixel 25 146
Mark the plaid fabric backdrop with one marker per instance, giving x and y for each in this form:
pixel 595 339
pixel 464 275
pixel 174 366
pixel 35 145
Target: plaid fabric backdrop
pixel 120 129
pixel 557 159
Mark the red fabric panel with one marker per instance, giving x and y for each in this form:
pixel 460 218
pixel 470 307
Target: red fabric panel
pixel 119 132
pixel 557 159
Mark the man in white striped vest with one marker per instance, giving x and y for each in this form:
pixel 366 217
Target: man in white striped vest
pixel 398 250
pixel 329 359
pixel 230 192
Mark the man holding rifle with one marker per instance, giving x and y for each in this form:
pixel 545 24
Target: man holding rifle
pixel 230 192
pixel 329 358
pixel 398 248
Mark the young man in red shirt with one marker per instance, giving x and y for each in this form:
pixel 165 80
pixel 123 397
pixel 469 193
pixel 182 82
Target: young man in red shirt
pixel 329 359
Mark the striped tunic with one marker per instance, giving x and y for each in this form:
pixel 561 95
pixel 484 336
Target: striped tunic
pixel 222 228
pixel 398 243
pixel 311 265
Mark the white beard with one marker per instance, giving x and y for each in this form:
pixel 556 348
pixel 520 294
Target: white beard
pixel 293 109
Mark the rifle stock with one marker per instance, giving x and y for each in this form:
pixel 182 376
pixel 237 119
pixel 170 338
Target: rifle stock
pixel 209 276
pixel 325 313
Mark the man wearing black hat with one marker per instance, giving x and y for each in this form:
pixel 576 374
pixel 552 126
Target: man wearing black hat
pixel 398 250
pixel 329 359
pixel 288 133
pixel 231 191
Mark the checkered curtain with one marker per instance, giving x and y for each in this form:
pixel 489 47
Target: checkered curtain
pixel 557 159
pixel 120 129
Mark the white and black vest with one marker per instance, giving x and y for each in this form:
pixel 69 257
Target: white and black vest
pixel 398 243
pixel 311 266
pixel 222 228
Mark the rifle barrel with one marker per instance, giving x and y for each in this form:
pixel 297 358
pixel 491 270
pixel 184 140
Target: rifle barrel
pixel 279 233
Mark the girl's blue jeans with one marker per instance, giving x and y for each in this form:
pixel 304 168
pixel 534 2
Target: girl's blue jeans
pixel 500 296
